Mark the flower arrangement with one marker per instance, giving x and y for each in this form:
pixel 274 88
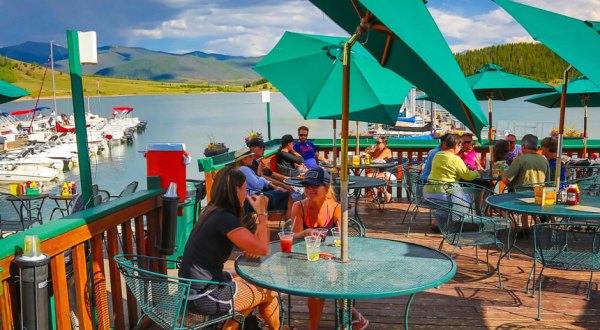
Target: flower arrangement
pixel 570 132
pixel 214 148
pixel 253 134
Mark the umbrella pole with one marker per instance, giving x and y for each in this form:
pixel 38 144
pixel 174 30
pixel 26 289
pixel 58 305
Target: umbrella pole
pixel 585 118
pixel 357 140
pixel 344 144
pixel 490 132
pixel 334 144
pixel 561 126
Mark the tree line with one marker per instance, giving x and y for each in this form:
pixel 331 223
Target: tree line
pixel 533 61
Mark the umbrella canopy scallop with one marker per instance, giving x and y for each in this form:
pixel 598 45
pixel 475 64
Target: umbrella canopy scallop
pixel 307 69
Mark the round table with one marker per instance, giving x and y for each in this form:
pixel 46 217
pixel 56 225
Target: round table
pixel 512 202
pixel 377 268
pixel 354 182
pixel 63 203
pixel 28 207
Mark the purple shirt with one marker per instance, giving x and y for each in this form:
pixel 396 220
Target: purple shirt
pixel 511 155
pixel 308 151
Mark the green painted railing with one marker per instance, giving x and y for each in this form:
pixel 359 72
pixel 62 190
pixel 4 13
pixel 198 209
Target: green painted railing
pixel 128 224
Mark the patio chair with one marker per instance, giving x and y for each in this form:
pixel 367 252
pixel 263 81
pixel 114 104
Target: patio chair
pixel 14 215
pixel 163 298
pixel 414 190
pixel 462 227
pixel 565 246
pixel 589 185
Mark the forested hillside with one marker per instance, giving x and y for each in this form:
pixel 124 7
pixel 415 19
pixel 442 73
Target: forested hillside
pixel 533 61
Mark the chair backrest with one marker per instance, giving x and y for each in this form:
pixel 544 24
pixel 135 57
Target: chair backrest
pixel 161 297
pixel 531 186
pixel 129 189
pixel 469 198
pixel 568 246
pixel 164 298
pixel 589 185
pixel 287 171
pixel 76 204
pixel 355 228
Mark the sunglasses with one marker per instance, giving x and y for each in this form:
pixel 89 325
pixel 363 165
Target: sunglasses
pixel 511 142
pixel 302 134
pixel 467 142
pixel 378 142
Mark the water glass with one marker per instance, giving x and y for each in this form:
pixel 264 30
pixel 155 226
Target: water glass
pixel 320 233
pixel 286 239
pixel 335 235
pixel 32 246
pixel 313 248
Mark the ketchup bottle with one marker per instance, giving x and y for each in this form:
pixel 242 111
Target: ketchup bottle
pixel 572 195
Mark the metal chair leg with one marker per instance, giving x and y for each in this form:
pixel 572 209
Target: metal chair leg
pixel 589 290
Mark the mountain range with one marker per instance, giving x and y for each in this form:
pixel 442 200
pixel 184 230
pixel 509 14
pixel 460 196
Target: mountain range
pixel 144 64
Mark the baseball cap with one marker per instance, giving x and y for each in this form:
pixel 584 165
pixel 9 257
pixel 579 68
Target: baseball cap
pixel 242 153
pixel 316 177
pixel 256 142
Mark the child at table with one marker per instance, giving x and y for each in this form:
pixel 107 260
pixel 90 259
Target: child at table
pixel 211 243
pixel 319 210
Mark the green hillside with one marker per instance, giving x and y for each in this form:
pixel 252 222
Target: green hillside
pixel 533 61
pixel 31 77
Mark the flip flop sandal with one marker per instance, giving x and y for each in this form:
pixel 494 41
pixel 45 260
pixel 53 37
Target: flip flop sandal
pixel 361 323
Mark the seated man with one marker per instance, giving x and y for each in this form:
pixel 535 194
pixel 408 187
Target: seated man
pixel 307 149
pixel 257 146
pixel 528 168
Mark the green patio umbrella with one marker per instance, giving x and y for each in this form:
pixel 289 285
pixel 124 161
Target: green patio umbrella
pixel 307 69
pixel 491 82
pixel 581 92
pixel 576 41
pixel 403 37
pixel 9 92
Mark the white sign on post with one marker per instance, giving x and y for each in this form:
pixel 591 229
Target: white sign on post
pixel 88 47
pixel 266 96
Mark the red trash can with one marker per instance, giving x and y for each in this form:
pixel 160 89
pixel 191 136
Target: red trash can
pixel 168 160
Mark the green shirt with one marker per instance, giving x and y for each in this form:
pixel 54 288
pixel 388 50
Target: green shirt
pixel 527 169
pixel 448 167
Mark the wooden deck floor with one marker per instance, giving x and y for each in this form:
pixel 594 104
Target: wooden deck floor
pixel 473 298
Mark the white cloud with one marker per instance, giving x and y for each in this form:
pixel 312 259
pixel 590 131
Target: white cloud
pixel 581 9
pixel 249 31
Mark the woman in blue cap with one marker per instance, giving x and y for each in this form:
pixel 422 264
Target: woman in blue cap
pixel 319 210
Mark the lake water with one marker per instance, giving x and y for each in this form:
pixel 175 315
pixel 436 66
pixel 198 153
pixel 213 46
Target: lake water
pixel 194 119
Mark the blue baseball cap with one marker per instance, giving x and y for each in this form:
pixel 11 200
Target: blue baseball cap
pixel 316 177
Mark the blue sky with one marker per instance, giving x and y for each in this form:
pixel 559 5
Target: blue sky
pixel 245 27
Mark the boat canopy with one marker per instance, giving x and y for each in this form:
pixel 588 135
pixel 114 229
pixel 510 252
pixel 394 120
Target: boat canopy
pixel 412 119
pixel 27 111
pixel 123 108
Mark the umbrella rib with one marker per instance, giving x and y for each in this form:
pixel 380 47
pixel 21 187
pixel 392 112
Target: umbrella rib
pixel 469 117
pixel 357 8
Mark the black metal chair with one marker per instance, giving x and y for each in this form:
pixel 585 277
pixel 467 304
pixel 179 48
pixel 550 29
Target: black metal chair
pixel 16 215
pixel 565 246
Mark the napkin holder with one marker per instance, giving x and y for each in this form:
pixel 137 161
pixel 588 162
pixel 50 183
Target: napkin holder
pixel 545 195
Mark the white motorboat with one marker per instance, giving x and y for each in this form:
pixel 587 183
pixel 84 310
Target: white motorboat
pixel 23 173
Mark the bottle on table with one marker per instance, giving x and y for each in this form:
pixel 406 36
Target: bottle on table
pixel 572 195
pixel 64 190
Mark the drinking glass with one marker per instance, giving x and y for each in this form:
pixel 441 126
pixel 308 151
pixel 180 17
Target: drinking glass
pixel 286 240
pixel 32 246
pixel 313 248
pixel 335 234
pixel 321 233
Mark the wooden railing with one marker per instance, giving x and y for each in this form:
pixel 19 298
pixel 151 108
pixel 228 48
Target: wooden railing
pixel 413 150
pixel 98 226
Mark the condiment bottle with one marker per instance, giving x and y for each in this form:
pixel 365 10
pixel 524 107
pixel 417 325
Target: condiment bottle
pixel 73 188
pixel 572 195
pixel 64 190
pixel 367 159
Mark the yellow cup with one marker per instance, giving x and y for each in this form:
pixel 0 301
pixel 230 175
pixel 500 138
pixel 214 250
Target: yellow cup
pixel 14 189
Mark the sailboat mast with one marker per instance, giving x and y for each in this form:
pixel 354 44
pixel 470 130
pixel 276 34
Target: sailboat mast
pixel 52 70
